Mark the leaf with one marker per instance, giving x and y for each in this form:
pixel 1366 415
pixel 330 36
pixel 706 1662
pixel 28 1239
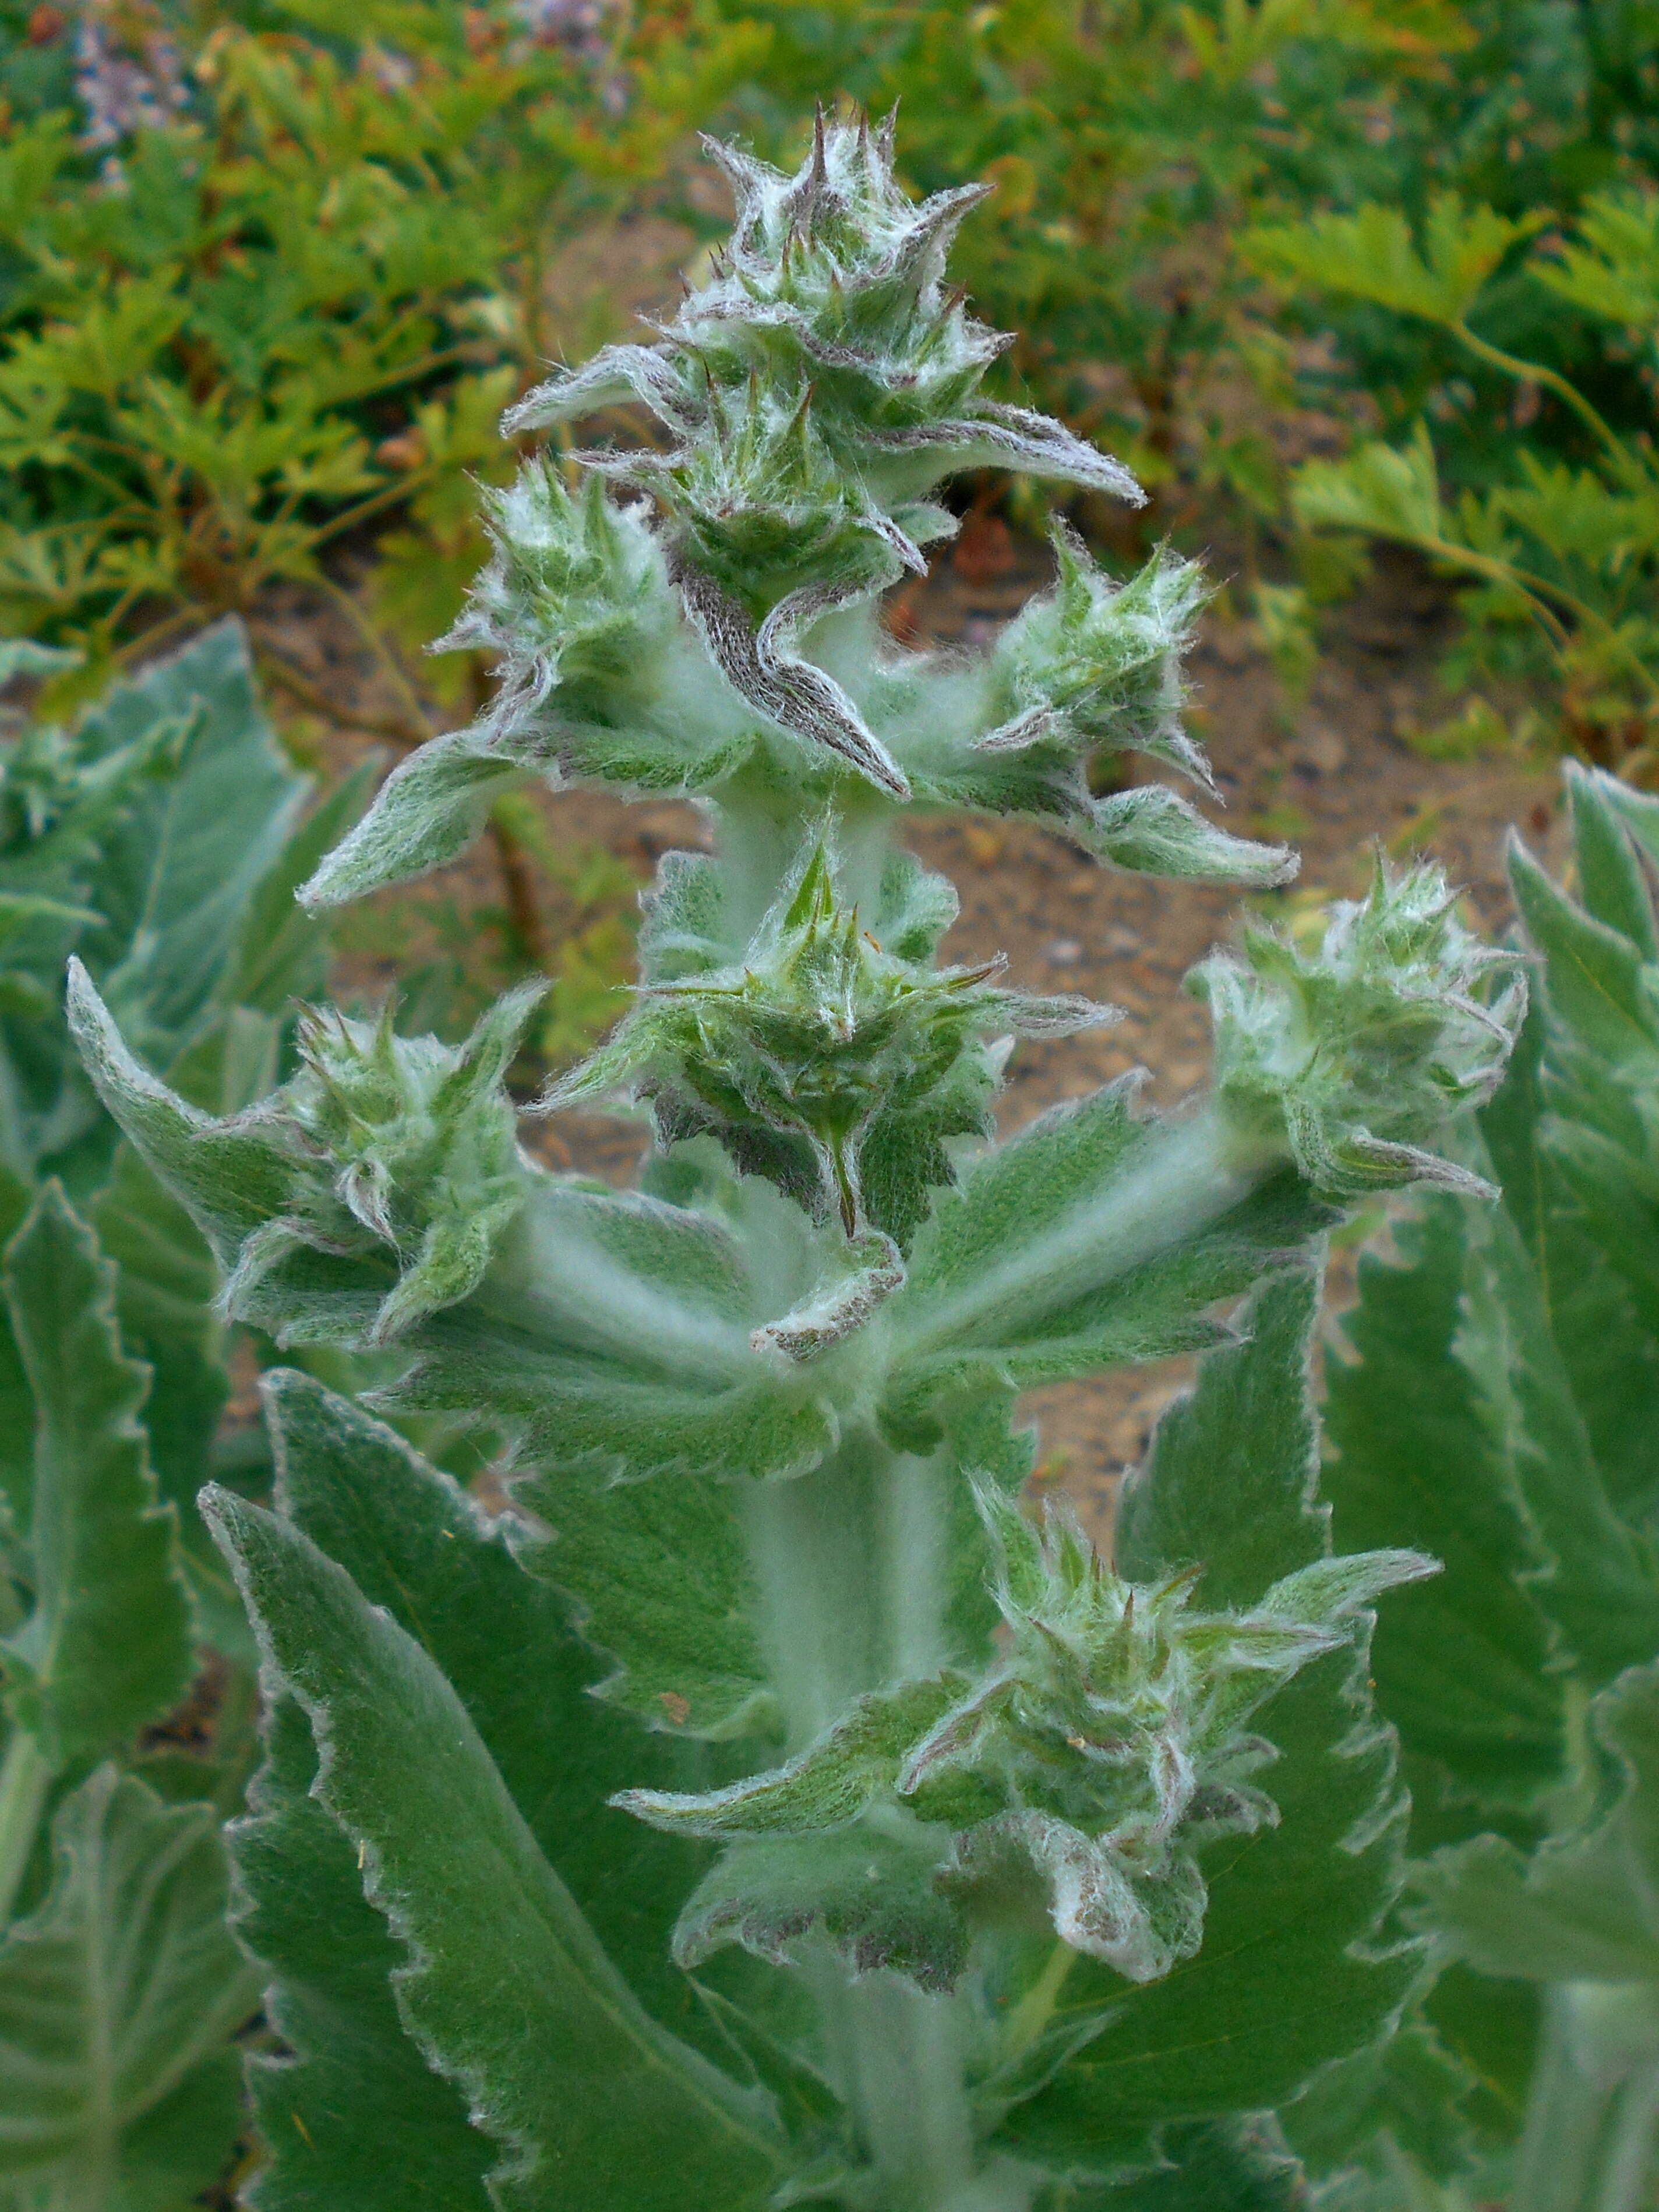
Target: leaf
pixel 1592 974
pixel 354 2114
pixel 1462 1664
pixel 825 1786
pixel 1291 1973
pixel 1091 1238
pixel 1370 255
pixel 1378 491
pixel 117 1994
pixel 1597 1579
pixel 1582 1909
pixel 1239 1530
pixel 1230 2166
pixel 1611 884
pixel 869 1893
pixel 425 815
pixel 505 1987
pixel 660 1574
pixel 178 876
pixel 106 1646
pixel 416 1544
pixel 23 656
pixel 280 952
pixel 1407 2090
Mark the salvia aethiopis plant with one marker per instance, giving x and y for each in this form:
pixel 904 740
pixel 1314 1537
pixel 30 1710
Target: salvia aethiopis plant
pixel 1501 1413
pixel 760 1810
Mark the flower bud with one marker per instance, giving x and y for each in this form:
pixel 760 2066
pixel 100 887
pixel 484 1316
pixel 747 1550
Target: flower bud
pixel 1356 1057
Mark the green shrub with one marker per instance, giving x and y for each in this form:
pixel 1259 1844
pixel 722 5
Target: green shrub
pixel 1561 554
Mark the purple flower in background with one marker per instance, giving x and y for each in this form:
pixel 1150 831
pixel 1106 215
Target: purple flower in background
pixel 128 75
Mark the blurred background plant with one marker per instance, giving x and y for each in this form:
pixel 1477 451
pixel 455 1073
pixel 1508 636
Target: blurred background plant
pixel 269 270
pixel 267 282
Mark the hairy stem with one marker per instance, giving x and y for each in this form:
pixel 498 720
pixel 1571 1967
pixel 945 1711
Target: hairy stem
pixel 852 1563
pixel 1593 2118
pixel 25 1777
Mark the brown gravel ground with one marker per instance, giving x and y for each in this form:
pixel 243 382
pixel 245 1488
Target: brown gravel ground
pixel 1333 778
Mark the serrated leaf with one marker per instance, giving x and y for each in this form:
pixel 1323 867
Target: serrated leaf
pixel 1462 1664
pixel 1581 1909
pixel 1407 2091
pixel 1231 2165
pixel 1592 974
pixel 353 2114
pixel 1240 1531
pixel 1597 1579
pixel 415 1543
pixel 505 1988
pixel 1219 2035
pixel 115 1994
pixel 106 1645
pixel 660 1577
pixel 870 1893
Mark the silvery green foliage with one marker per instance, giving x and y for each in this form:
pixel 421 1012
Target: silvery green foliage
pixel 1501 1413
pixel 814 392
pixel 1360 1054
pixel 1073 1870
pixel 820 1037
pixel 120 1988
pixel 1088 1768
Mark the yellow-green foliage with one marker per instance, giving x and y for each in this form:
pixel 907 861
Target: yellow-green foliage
pixel 293 298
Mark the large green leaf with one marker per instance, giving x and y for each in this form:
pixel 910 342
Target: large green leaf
pixel 106 1645
pixel 1462 1663
pixel 352 2114
pixel 504 1986
pixel 117 1997
pixel 1243 1530
pixel 1613 1358
pixel 660 1574
pixel 1582 1909
pixel 1291 1973
pixel 414 1543
pixel 1597 1581
pixel 175 880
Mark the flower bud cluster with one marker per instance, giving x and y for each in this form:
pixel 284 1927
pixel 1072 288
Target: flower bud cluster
pixel 401 1147
pixel 1356 1056
pixel 398 1153
pixel 1084 1774
pixel 576 598
pixel 817 1043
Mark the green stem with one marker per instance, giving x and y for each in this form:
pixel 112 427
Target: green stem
pixel 25 1777
pixel 852 1565
pixel 1593 2116
pixel 1533 371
